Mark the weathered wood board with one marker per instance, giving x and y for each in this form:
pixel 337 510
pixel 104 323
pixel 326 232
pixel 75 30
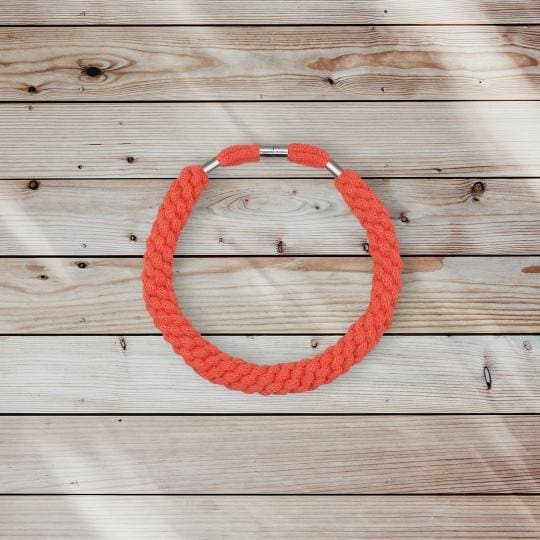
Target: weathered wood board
pixel 151 140
pixel 265 454
pixel 296 294
pixel 297 517
pixel 142 374
pixel 270 217
pixel 227 12
pixel 269 63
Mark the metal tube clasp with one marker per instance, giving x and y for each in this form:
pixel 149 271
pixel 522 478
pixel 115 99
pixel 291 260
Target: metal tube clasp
pixel 273 151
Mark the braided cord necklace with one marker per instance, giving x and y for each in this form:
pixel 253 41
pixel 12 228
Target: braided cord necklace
pixel 285 377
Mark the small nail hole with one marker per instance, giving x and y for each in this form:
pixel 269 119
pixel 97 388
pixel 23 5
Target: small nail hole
pixel 81 264
pixel 33 185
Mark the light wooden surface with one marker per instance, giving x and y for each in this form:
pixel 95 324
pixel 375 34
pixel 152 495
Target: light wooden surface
pixel 141 374
pixel 328 517
pixel 437 104
pixel 270 454
pixel 297 294
pixel 254 63
pixel 65 140
pixel 270 217
pixel 269 12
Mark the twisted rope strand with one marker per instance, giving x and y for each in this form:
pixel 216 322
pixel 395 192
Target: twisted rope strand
pixel 285 377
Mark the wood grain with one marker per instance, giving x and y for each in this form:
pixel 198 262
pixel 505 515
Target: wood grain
pixel 299 517
pixel 270 217
pixel 384 139
pixel 141 374
pixel 297 295
pixel 269 63
pixel 270 454
pixel 276 12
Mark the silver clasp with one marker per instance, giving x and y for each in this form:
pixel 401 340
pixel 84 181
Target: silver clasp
pixel 273 151
pixel 281 151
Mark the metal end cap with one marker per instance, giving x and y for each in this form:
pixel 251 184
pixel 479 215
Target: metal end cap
pixel 210 165
pixel 334 168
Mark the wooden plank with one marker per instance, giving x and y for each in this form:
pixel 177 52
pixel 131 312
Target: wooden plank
pixel 230 517
pixel 86 12
pixel 379 139
pixel 299 295
pixel 269 63
pixel 403 374
pixel 270 217
pixel 270 454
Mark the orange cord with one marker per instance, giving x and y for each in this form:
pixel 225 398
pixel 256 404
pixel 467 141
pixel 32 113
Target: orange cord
pixel 286 377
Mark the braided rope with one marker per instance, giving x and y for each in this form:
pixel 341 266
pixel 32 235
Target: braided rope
pixel 282 378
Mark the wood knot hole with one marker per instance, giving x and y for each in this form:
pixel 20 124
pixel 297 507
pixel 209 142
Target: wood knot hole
pixel 92 71
pixel 82 264
pixel 477 189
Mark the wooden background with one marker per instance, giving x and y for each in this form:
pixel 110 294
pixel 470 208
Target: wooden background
pixel 105 433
